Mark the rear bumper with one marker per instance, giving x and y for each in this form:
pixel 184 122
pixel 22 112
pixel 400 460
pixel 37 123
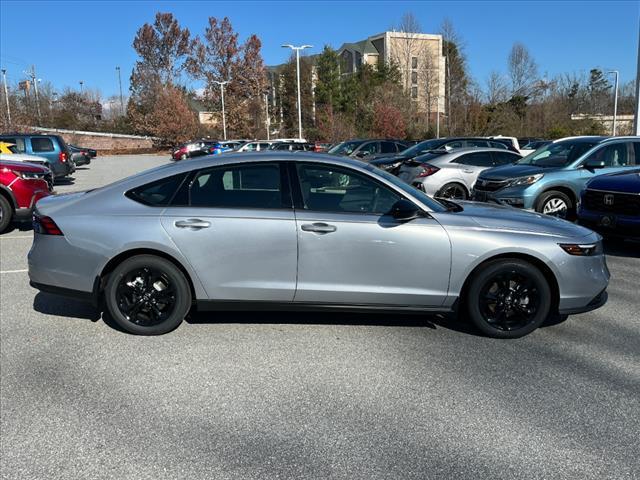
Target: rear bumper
pixel 86 297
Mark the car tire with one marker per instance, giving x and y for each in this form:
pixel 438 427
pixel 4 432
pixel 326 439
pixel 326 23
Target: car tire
pixel 134 295
pixel 500 294
pixel 552 200
pixel 453 187
pixel 6 213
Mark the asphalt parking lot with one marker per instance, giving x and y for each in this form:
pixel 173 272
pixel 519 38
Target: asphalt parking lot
pixel 299 395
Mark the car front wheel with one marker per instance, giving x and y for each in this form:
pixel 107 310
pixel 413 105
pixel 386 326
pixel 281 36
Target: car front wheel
pixel 556 204
pixel 147 295
pixel 508 298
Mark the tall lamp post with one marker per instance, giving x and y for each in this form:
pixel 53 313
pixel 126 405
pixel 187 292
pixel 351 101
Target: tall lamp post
pixel 297 50
pixel 615 101
pixel 6 97
pixel 224 121
pixel 120 85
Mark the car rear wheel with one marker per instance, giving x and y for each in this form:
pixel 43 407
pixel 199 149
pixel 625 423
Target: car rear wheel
pixel 147 295
pixel 508 298
pixel 556 204
pixel 6 212
pixel 453 190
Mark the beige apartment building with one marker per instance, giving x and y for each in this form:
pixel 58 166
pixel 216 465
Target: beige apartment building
pixel 417 55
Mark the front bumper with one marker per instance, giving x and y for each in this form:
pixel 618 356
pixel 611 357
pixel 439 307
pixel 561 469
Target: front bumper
pixel 597 302
pixel 610 224
pixel 514 197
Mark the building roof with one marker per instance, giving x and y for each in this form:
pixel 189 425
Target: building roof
pixel 363 46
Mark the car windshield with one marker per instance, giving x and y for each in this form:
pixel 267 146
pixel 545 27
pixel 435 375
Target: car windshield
pixel 344 148
pixel 558 154
pixel 405 187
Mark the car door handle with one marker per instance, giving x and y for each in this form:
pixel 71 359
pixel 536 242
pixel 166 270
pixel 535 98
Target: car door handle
pixel 318 227
pixel 466 170
pixel 194 223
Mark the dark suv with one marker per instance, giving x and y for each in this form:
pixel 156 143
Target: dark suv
pixel 392 162
pixel 368 149
pixel 51 147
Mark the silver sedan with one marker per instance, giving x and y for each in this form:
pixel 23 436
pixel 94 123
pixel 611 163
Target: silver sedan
pixel 296 230
pixel 452 174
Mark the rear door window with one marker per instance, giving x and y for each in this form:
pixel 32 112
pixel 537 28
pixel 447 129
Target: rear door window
pixel 18 142
pixel 237 186
pixel 477 159
pixel 388 147
pixel 42 144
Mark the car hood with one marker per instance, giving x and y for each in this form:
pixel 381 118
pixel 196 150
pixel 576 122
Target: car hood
pixel 624 182
pixel 505 172
pixel 503 218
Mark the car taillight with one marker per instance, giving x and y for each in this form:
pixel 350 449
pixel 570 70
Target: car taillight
pixel 427 170
pixel 62 157
pixel 45 226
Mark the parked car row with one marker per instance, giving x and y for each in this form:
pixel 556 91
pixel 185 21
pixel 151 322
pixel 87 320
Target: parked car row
pixel 29 166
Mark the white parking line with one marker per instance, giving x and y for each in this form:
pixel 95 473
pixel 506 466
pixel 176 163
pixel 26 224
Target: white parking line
pixel 11 238
pixel 14 271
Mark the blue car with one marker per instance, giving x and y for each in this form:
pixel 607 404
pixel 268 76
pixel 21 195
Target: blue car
pixel 51 147
pixel 550 179
pixel 611 204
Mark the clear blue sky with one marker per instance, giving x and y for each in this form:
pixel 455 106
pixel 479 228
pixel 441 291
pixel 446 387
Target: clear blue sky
pixel 85 40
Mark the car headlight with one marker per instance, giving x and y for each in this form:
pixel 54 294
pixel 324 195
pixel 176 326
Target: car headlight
pixel 582 249
pixel 28 175
pixel 528 180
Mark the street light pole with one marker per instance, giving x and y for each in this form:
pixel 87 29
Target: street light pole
pixel 438 116
pixel 224 120
pixel 615 102
pixel 34 80
pixel 121 100
pixel 6 96
pixel 81 84
pixel 268 120
pixel 297 50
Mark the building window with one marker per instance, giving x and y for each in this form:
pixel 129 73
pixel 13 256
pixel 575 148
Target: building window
pixel 414 78
pixel 414 92
pixel 414 62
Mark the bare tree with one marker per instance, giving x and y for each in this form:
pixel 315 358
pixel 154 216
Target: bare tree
pixel 429 79
pixel 522 70
pixel 497 89
pixel 409 26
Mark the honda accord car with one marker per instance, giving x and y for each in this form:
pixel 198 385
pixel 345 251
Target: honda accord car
pixel 305 230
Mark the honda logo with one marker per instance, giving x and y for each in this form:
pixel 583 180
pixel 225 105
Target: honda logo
pixel 608 199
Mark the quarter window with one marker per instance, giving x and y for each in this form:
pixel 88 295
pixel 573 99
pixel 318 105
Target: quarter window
pixel 42 145
pixel 245 186
pixel 330 189
pixel 158 193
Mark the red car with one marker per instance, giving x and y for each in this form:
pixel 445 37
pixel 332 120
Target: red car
pixel 21 186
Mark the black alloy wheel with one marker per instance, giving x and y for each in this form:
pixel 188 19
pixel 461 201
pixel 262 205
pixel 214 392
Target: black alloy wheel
pixel 454 191
pixel 509 298
pixel 147 295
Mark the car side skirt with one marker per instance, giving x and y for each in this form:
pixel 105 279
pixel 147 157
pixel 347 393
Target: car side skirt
pixel 259 305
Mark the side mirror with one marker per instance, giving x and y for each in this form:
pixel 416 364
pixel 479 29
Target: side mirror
pixel 591 164
pixel 404 211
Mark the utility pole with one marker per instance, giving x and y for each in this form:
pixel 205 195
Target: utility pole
pixel 121 100
pixel 224 121
pixel 297 50
pixel 268 120
pixel 615 102
pixel 34 80
pixel 6 96
pixel 636 125
pixel 81 84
